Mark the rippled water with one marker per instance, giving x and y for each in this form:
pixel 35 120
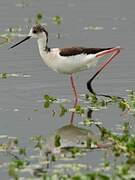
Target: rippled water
pixel 98 23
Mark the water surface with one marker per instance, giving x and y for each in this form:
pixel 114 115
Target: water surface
pixel 19 96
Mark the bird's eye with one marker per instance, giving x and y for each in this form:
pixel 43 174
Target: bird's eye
pixel 34 31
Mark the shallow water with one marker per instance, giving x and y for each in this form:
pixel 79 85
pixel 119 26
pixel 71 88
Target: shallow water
pixel 19 96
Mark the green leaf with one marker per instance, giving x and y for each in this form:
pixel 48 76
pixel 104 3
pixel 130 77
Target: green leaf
pixel 106 163
pixel 63 110
pixel 12 173
pixel 4 75
pixel 46 104
pixel 22 151
pixel 88 122
pixel 74 151
pixel 48 100
pixel 131 144
pixel 79 109
pixel 39 17
pixel 94 99
pixel 126 127
pixel 122 105
pixel 57 20
pixel 40 140
pixel 53 157
pixel 57 140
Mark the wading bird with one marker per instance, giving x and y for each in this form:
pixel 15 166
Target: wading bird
pixel 69 60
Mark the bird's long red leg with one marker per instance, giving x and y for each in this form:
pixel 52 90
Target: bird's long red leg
pixel 73 85
pixel 115 52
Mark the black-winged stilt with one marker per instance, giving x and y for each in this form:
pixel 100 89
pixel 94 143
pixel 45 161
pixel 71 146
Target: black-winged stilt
pixel 70 60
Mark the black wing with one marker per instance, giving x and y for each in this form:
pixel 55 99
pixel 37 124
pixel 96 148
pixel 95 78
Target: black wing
pixel 80 50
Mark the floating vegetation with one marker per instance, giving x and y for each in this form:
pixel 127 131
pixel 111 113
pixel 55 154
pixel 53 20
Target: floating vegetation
pixel 63 110
pixel 57 155
pixel 9 34
pixel 5 75
pixel 89 104
pixel 58 20
pixel 5 39
pixel 70 143
pixel 48 100
pixel 79 110
pixel 39 18
pixel 69 137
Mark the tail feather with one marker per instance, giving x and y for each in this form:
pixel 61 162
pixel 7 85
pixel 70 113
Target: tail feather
pixel 109 51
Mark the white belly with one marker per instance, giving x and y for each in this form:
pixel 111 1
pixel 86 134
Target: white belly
pixel 67 65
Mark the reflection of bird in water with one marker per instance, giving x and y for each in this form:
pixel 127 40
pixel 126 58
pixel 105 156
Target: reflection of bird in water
pixel 70 60
pixel 70 136
pixel 62 143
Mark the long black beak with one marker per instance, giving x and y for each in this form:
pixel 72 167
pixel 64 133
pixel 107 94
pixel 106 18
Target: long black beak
pixel 28 37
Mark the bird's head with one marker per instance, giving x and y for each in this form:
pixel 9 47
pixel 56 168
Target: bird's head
pixel 37 31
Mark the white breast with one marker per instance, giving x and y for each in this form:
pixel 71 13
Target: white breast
pixel 69 64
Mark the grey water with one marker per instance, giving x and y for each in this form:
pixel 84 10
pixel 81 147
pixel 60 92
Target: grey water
pixel 19 96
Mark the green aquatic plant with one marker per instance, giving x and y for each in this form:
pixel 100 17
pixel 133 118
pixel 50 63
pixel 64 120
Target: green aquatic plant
pixel 5 39
pixel 96 103
pixel 53 158
pixel 88 121
pixel 95 176
pixel 49 100
pixel 22 151
pixel 4 75
pixel 14 166
pixel 58 20
pixel 120 166
pixel 123 105
pixel 57 140
pixel 9 34
pixel 12 172
pixel 63 110
pixel 39 140
pixel 124 146
pixel 131 101
pixel 74 151
pixel 79 109
pixel 38 18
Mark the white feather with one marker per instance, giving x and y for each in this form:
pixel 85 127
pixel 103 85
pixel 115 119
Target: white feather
pixel 66 64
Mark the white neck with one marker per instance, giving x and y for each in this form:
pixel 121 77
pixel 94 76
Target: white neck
pixel 42 44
